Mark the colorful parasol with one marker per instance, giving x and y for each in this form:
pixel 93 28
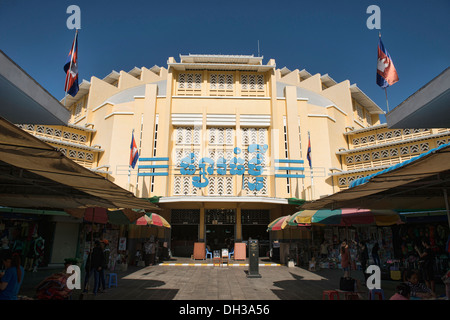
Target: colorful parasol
pixel 345 217
pixel 152 219
pixel 278 224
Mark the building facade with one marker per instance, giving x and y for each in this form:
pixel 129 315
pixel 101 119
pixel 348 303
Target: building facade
pixel 223 141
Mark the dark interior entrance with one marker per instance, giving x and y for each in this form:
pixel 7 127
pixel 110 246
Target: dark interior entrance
pixel 183 238
pixel 255 232
pixel 219 236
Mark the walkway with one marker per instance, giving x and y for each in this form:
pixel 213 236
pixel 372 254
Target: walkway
pixel 184 281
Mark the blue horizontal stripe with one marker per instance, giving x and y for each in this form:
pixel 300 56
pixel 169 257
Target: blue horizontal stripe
pixel 153 159
pixel 154 166
pixel 289 176
pixel 288 161
pixel 146 174
pixel 290 168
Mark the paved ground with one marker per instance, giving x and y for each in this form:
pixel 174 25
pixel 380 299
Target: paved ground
pixel 184 281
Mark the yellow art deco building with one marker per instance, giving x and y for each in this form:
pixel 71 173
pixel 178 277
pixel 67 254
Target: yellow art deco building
pixel 223 140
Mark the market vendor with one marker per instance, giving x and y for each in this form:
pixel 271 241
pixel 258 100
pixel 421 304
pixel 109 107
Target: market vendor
pixel 418 290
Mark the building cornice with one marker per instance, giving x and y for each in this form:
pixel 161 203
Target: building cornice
pixel 341 173
pixel 392 143
pixel 69 144
pixel 375 127
pixel 219 66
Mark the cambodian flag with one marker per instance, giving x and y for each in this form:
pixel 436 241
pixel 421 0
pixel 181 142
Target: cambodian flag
pixel 308 154
pixel 386 73
pixel 134 153
pixel 71 84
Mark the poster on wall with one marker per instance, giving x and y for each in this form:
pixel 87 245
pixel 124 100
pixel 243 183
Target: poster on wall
pixel 122 244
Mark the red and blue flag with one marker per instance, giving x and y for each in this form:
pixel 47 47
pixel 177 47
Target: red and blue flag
pixel 71 69
pixel 134 152
pixel 386 72
pixel 308 154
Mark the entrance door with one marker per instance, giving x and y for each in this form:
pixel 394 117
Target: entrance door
pixel 184 232
pixel 183 239
pixel 219 236
pixel 220 224
pixel 254 225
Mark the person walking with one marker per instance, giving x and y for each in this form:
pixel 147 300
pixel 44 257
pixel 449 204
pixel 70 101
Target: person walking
pixel 94 265
pixel 152 253
pixel 102 275
pixel 147 252
pixel 375 255
pixel 427 265
pixel 12 279
pixel 97 264
pixel 345 259
pixel 363 257
pixel 324 250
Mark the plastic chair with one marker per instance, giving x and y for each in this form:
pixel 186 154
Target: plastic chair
pixel 208 253
pixel 230 254
pixel 111 278
pixel 376 292
pixel 330 294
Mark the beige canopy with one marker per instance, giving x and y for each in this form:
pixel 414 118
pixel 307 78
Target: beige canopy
pixel 33 174
pixel 419 183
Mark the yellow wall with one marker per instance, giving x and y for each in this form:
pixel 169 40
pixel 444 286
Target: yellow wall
pixel 114 124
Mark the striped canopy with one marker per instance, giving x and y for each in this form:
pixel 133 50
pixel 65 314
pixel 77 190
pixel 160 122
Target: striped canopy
pixel 345 217
pixel 152 219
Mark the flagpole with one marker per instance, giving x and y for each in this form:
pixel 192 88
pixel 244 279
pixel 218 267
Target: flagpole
pixel 129 165
pixel 140 144
pixel 70 67
pixel 387 103
pixel 311 169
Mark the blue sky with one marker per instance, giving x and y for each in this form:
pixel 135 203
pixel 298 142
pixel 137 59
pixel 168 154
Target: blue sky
pixel 319 36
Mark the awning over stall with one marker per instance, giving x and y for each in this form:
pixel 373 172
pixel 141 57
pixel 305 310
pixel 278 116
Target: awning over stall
pixel 33 174
pixel 419 183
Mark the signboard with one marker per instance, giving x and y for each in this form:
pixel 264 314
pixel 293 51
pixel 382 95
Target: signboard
pixel 224 253
pixel 122 244
pixel 236 166
pixel 253 250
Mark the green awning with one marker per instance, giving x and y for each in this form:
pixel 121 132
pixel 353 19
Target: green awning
pixel 295 201
pixel 154 199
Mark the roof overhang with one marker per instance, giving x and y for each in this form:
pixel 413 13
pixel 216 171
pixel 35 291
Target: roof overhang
pixel 429 107
pixel 135 72
pixel 305 74
pixel 23 100
pixel 327 80
pixel 221 59
pixel 364 100
pixel 415 184
pixel 220 66
pixel 112 77
pixel 33 174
